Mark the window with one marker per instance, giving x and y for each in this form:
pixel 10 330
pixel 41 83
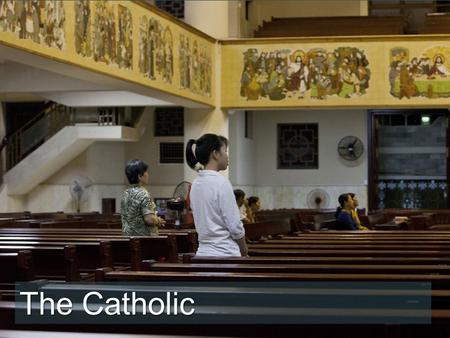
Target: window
pixel 171 152
pixel 298 146
pixel 169 121
pixel 174 7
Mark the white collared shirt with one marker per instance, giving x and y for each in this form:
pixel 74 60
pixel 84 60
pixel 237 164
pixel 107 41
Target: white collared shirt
pixel 216 215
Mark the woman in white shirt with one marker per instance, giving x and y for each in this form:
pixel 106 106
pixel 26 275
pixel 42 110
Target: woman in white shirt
pixel 216 215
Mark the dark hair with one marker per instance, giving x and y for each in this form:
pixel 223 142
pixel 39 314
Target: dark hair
pixel 205 145
pixel 342 199
pixel 238 193
pixel 252 200
pixel 352 195
pixel 134 169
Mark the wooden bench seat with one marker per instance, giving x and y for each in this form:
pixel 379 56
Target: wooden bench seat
pixel 440 281
pixel 303 268
pixel 318 260
pixel 350 253
pixel 50 262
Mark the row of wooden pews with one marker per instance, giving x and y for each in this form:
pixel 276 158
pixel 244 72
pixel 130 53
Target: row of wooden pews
pixel 319 256
pixel 281 249
pixel 73 247
pixel 332 26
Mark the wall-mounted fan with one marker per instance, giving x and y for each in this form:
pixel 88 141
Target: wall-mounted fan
pixel 318 199
pixel 180 200
pixel 350 148
pixel 80 189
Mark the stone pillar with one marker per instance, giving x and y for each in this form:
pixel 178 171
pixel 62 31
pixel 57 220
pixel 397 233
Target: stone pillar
pixel 210 17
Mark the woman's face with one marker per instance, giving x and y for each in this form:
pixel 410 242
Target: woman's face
pixel 143 180
pixel 222 157
pixel 256 206
pixel 355 202
pixel 348 204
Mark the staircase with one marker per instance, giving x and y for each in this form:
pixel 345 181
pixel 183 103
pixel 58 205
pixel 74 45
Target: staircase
pixel 54 138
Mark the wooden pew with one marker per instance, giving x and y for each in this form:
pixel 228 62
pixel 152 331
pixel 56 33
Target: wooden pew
pixel 16 266
pixel 90 255
pixel 50 262
pixel 254 231
pixel 303 268
pixel 115 251
pixel 440 281
pixel 186 239
pixel 349 253
pixel 318 260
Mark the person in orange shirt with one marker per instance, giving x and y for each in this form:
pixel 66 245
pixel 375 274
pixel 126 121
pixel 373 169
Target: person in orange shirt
pixel 355 213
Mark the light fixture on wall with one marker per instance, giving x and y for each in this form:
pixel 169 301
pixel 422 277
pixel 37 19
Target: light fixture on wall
pixel 425 119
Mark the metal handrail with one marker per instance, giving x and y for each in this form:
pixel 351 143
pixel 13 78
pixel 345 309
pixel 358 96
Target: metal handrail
pixel 57 116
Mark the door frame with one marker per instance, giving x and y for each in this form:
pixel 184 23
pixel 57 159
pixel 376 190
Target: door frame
pixel 372 148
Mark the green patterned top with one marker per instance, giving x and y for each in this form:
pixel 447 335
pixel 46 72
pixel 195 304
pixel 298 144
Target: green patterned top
pixel 135 204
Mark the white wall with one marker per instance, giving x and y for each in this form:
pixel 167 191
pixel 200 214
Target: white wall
pixel 281 188
pixel 211 17
pixel 104 163
pixel 242 152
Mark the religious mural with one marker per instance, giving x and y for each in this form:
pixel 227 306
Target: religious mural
pixel 102 33
pixel 41 21
pixel 125 42
pixel 155 49
pixel 425 75
pixel 104 45
pixel 317 73
pixel 195 66
pixel 83 44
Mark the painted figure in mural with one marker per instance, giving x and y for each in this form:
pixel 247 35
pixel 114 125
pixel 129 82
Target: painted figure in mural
pixel 143 42
pixel 277 83
pixel 12 20
pixel 168 56
pixel 181 64
pixel 195 74
pixel 246 78
pixel 100 32
pixel 54 24
pixel 111 41
pixel 349 80
pixel 439 67
pixel 82 27
pixel 151 46
pixel 125 45
pixel 188 64
pixel 208 73
pixel 30 21
pixel 408 88
pixel 298 75
pixel 3 16
pixel 425 66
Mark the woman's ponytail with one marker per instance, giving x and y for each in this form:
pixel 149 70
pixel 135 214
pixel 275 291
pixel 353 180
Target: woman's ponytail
pixel 338 211
pixel 190 156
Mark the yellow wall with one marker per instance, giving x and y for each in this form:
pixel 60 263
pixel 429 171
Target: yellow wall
pixel 377 51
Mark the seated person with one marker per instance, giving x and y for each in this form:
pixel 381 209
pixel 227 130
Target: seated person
pixel 242 204
pixel 344 219
pixel 253 206
pixel 355 212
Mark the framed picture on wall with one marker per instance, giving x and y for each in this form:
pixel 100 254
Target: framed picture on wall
pixel 298 146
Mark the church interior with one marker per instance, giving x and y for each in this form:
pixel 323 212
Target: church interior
pixel 317 99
